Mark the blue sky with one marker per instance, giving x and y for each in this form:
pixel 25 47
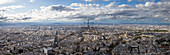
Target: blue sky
pixel 35 4
pixel 127 11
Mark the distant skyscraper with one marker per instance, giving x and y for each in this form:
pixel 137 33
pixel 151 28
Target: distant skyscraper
pixel 39 28
pixel 56 39
pixel 88 24
pixel 51 28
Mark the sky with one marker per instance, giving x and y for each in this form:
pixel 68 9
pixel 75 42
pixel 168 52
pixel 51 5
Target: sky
pixel 103 11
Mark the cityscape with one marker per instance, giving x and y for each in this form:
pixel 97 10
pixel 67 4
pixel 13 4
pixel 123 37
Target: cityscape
pixel 84 27
pixel 85 40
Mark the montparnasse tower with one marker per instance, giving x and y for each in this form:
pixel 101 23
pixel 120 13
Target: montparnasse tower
pixel 56 39
pixel 88 26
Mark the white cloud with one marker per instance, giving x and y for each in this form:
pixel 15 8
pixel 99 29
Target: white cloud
pixel 124 6
pixel 58 8
pixel 31 0
pixel 129 0
pixel 69 13
pixel 6 1
pixel 152 5
pixel 91 0
pixel 88 0
pixel 165 0
pixel 77 4
pixel 106 0
pixel 84 5
pixel 12 7
pixel 112 4
pixel 8 8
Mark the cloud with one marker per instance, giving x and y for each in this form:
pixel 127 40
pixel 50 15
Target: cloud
pixel 85 5
pixel 6 1
pixel 161 9
pixel 10 1
pixel 154 5
pixel 12 7
pixel 112 4
pixel 106 0
pixel 149 10
pixel 125 6
pixel 129 0
pixel 8 8
pixel 91 0
pixel 31 0
pixel 165 0
pixel 77 4
pixel 88 0
pixel 57 8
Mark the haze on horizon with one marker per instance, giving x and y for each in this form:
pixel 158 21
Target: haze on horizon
pixel 104 11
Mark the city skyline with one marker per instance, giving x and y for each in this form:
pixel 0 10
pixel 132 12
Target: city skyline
pixel 102 11
pixel 84 27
